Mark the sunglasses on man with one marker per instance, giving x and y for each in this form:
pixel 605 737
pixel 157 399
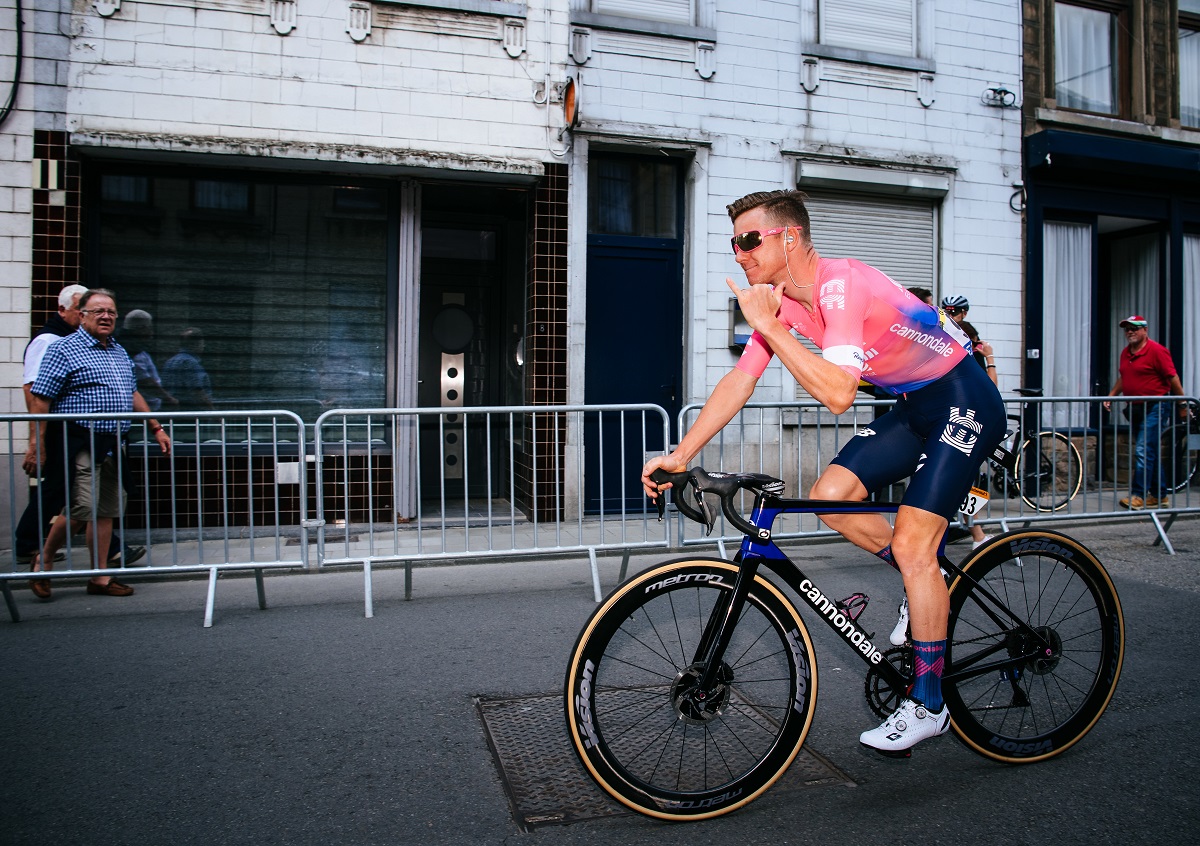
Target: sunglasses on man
pixel 752 240
pixel 953 310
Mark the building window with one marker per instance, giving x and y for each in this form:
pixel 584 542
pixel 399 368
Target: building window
pixel 1087 58
pixel 632 196
pixel 1189 62
pixel 671 11
pixel 876 26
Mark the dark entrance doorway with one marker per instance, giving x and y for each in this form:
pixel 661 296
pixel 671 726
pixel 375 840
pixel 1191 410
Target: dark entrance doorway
pixel 472 316
pixel 634 315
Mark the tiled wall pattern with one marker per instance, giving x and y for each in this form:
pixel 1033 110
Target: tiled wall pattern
pixel 56 221
pixel 546 343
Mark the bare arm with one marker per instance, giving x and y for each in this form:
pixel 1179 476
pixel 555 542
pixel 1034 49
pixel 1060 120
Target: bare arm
pixel 160 434
pixel 728 398
pixel 1115 392
pixel 831 386
pixel 35 453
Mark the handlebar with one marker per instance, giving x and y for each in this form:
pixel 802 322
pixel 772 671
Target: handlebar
pixel 724 485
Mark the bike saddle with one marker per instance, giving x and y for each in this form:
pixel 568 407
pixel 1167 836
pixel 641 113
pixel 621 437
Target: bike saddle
pixel 1029 392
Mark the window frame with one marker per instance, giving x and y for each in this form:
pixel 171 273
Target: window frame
pixel 1120 10
pixel 1187 21
pixel 921 59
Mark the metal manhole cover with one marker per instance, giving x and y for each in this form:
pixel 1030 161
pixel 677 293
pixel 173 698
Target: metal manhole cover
pixel 545 782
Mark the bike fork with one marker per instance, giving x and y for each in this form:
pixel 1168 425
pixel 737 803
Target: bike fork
pixel 719 629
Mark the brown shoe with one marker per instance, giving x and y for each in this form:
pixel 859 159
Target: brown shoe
pixel 1133 503
pixel 40 587
pixel 113 588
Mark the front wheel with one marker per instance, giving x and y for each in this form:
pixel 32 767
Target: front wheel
pixel 1035 645
pixel 637 718
pixel 1048 471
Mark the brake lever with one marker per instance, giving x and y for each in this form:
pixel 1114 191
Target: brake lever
pixel 710 517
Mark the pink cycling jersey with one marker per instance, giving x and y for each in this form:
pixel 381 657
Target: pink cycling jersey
pixel 871 327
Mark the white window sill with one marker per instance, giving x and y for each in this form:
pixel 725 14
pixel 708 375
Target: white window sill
pixel 663 29
pixel 495 8
pixel 864 57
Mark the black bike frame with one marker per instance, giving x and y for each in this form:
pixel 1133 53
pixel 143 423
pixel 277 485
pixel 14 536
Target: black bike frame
pixel 763 552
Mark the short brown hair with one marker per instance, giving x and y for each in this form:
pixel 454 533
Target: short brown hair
pixel 782 207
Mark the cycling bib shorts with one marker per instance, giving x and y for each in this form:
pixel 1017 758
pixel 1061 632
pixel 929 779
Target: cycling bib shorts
pixel 938 435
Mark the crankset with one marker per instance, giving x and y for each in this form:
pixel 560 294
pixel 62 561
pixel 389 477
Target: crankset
pixel 882 698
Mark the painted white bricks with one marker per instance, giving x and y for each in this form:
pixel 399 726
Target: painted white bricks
pixel 216 69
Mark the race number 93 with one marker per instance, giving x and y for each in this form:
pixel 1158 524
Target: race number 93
pixel 976 499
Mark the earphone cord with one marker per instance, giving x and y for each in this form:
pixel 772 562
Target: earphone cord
pixel 789 267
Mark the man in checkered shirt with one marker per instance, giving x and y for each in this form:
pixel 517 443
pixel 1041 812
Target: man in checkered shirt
pixel 87 372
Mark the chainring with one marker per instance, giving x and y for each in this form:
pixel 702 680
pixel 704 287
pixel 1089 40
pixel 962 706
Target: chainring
pixel 880 695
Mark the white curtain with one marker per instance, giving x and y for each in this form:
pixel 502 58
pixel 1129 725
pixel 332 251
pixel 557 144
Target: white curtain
pixel 1135 290
pixel 1189 75
pixel 1067 314
pixel 1190 354
pixel 1083 59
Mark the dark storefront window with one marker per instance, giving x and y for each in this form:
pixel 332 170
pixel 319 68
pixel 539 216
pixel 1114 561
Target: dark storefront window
pixel 286 283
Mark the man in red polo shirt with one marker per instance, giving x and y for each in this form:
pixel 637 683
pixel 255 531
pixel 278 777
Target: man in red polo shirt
pixel 1145 370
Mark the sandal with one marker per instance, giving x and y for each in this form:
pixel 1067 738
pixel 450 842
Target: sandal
pixel 40 587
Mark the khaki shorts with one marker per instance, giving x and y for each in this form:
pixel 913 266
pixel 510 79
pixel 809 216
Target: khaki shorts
pixel 108 490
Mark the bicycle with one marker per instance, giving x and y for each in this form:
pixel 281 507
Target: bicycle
pixel 692 687
pixel 1177 455
pixel 1048 471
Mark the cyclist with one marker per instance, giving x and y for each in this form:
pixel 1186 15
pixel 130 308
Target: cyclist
pixel 947 418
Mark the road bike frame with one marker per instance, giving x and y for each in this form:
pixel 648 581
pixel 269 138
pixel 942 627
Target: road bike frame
pixel 758 549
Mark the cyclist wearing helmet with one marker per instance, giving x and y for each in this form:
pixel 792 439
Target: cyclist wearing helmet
pixel 947 418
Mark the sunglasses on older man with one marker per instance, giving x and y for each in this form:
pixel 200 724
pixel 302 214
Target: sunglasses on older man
pixel 752 240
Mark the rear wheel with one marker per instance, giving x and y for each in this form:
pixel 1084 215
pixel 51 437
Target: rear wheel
pixel 1178 463
pixel 1034 653
pixel 641 725
pixel 1048 471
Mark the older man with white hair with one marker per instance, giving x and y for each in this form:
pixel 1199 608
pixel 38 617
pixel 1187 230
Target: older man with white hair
pixel 49 493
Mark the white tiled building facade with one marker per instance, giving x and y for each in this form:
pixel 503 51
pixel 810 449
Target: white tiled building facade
pixel 372 140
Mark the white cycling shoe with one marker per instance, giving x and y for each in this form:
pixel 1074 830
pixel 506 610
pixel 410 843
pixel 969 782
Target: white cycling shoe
pixel 900 633
pixel 907 726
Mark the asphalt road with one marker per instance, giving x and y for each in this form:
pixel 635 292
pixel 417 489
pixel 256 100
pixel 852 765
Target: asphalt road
pixel 126 722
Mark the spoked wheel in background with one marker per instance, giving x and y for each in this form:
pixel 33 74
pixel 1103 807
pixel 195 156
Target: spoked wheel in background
pixel 1048 471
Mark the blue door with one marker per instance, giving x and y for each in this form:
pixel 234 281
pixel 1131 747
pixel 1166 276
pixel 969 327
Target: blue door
pixel 634 338
pixel 634 319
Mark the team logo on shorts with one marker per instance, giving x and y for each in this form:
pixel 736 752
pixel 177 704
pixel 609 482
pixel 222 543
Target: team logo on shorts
pixel 864 433
pixel 921 462
pixel 962 432
pixel 833 294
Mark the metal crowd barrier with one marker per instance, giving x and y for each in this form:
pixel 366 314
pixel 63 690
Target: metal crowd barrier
pixel 427 484
pixel 422 485
pixel 1076 459
pixel 230 497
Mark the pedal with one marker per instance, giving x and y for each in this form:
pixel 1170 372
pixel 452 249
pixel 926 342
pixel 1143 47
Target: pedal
pixel 853 605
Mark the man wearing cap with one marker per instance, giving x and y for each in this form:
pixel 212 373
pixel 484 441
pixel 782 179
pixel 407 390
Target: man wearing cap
pixel 1145 370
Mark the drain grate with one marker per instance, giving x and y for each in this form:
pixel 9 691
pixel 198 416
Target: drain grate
pixel 547 785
